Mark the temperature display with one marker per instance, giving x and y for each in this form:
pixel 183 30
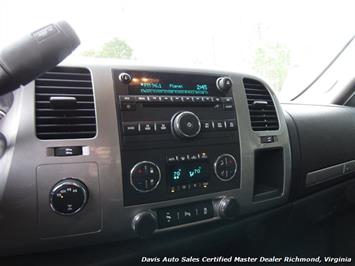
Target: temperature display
pixel 189 172
pixel 149 83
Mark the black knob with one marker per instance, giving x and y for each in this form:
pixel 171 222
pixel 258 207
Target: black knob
pixel 224 84
pixel 228 208
pixel 145 176
pixel 145 224
pixel 125 78
pixel 186 125
pixel 3 144
pixel 225 167
pixel 68 197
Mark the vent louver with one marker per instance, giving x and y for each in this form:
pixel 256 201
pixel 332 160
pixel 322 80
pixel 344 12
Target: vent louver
pixel 262 111
pixel 65 106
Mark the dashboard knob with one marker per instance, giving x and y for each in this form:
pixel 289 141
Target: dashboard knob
pixel 186 125
pixel 68 197
pixel 145 176
pixel 145 224
pixel 224 84
pixel 3 144
pixel 2 114
pixel 225 167
pixel 228 208
pixel 125 78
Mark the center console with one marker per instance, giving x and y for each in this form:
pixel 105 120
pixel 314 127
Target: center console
pixel 178 133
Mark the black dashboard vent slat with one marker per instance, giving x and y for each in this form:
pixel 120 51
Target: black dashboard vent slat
pixel 77 121
pixel 262 110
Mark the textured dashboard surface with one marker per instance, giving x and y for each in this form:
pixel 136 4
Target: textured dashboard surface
pixel 29 172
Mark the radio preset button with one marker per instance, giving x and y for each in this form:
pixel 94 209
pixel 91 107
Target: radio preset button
pixel 207 99
pixel 162 127
pixel 176 99
pixel 145 176
pixel 166 99
pixel 130 128
pixel 187 99
pixel 142 99
pixel 219 125
pixel 207 125
pixel 146 127
pixel 197 99
pixel 127 99
pixel 153 99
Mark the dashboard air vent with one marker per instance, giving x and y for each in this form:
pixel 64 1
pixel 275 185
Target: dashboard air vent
pixel 65 106
pixel 262 111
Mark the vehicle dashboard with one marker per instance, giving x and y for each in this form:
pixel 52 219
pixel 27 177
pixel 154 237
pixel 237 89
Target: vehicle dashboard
pixel 102 153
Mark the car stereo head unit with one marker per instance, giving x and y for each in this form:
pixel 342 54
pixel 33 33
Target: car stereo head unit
pixel 179 134
pixel 148 83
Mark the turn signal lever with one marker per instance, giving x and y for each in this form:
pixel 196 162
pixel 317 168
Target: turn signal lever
pixel 35 54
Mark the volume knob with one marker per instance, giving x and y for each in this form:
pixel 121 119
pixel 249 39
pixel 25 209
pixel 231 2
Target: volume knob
pixel 186 125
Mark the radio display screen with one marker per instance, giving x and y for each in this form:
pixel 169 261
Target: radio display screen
pixel 188 173
pixel 154 83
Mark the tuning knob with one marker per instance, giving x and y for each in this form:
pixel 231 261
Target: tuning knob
pixel 228 208
pixel 224 84
pixel 186 125
pixel 145 224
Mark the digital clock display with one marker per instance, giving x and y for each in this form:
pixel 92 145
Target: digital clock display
pixel 189 172
pixel 153 83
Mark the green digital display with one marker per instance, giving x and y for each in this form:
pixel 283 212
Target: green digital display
pixel 189 172
pixel 149 83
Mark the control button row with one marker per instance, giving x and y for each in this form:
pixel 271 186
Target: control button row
pixel 211 125
pixel 174 99
pixel 185 214
pixel 189 187
pixel 187 157
pixel 134 128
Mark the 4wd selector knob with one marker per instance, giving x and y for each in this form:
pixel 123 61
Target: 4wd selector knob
pixel 68 197
pixel 186 125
